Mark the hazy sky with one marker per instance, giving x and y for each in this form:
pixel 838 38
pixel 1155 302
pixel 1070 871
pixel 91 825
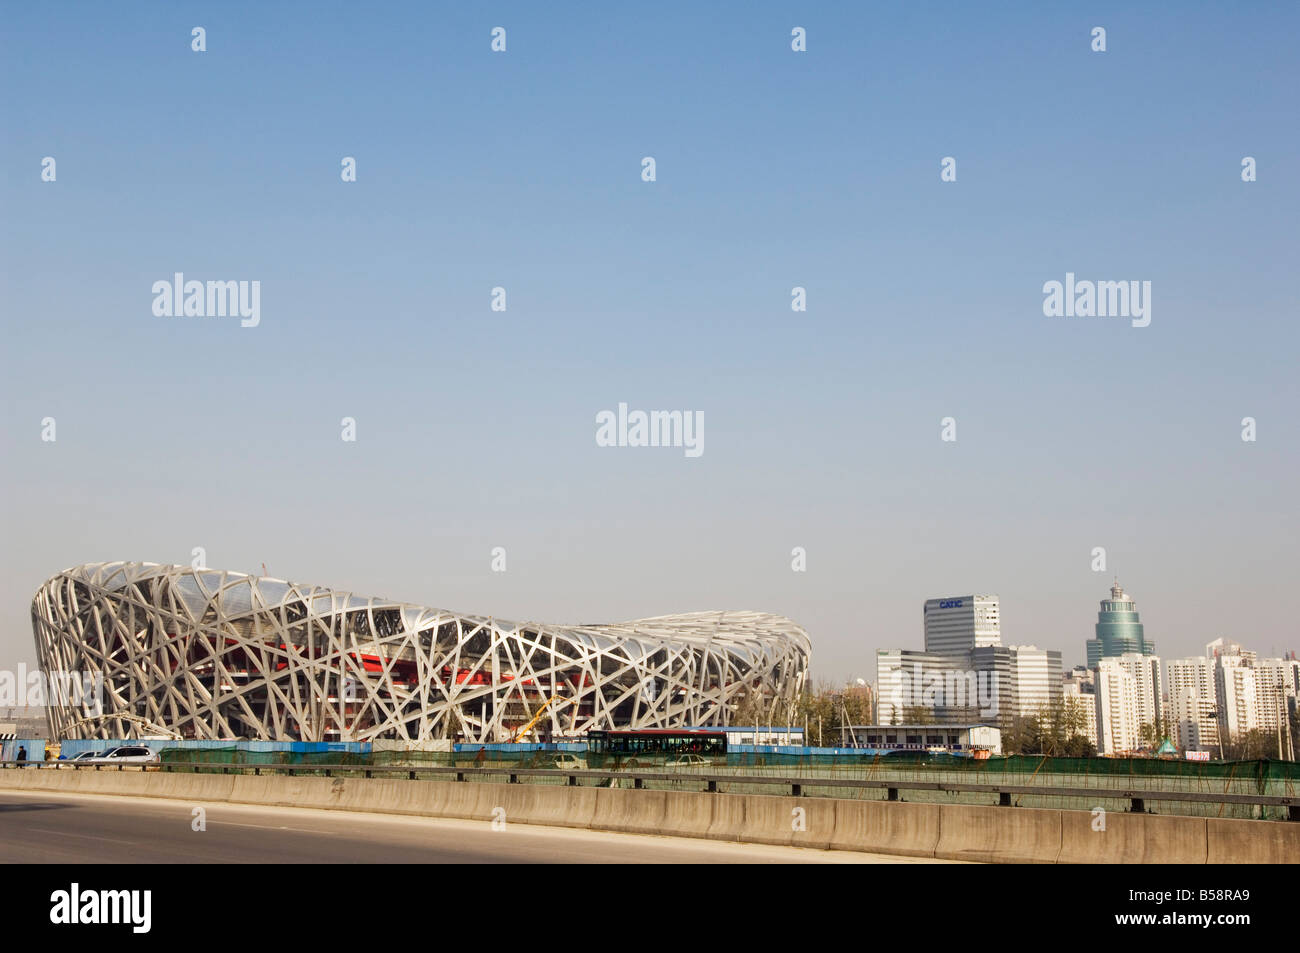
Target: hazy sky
pixel 775 169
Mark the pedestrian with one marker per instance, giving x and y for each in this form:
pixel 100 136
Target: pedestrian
pixel 22 757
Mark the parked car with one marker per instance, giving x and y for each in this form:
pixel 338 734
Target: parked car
pixel 126 754
pixel 687 761
pixel 563 761
pixel 79 758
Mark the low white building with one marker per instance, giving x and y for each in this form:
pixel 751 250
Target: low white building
pixel 762 735
pixel 958 739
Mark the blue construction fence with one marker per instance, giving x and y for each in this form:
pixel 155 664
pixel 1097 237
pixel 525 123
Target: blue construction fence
pixel 270 752
pixel 34 749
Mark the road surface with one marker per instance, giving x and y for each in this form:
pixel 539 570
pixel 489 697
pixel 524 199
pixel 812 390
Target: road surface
pixel 41 827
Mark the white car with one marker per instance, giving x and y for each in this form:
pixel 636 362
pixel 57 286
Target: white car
pixel 687 761
pixel 568 762
pixel 124 754
pixel 80 758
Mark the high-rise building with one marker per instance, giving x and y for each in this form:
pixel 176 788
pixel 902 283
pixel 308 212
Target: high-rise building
pixel 1238 696
pixel 965 672
pixel 994 668
pixel 1226 646
pixel 1277 686
pixel 1078 695
pixel 1036 678
pixel 1276 681
pixel 1194 703
pixel 1119 631
pixel 1129 690
pixel 945 686
pixel 957 624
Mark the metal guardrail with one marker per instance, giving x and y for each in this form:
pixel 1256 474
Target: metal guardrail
pixel 796 786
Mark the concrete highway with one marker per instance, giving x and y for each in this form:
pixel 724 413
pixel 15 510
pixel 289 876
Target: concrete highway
pixel 41 827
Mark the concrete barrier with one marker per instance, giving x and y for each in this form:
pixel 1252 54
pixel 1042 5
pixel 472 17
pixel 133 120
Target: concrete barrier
pixel 464 799
pixel 817 821
pixel 727 821
pixel 1252 842
pixel 689 813
pixel 1131 838
pixel 767 819
pixel 992 835
pixel 954 832
pixel 272 791
pixel 630 811
pixel 557 806
pixel 887 827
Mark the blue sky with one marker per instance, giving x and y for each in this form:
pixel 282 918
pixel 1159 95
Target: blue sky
pixel 775 169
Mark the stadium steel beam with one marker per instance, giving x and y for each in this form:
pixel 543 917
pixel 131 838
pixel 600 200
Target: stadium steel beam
pixel 219 655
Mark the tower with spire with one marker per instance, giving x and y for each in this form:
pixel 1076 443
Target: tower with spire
pixel 1118 630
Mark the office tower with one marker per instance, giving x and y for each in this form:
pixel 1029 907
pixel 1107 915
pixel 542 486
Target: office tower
pixel 1036 678
pixel 1194 703
pixel 945 686
pixel 957 624
pixel 994 667
pixel 1118 630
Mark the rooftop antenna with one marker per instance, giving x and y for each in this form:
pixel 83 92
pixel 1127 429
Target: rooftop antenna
pixel 264 570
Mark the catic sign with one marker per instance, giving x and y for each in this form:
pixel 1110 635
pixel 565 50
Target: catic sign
pixel 950 604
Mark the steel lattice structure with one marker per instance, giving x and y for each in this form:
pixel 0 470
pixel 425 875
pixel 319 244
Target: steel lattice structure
pixel 213 654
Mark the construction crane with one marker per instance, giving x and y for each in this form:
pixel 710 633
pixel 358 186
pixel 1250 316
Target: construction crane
pixel 136 720
pixel 532 722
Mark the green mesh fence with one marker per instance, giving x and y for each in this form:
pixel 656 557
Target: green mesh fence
pixel 1102 778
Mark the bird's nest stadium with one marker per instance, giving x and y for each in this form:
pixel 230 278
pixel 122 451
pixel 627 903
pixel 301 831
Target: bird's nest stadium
pixel 218 655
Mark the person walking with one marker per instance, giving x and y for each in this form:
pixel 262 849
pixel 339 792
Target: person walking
pixel 21 757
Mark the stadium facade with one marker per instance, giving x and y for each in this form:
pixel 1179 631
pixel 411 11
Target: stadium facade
pixel 215 655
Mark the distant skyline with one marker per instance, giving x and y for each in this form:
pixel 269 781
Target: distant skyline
pixel 478 429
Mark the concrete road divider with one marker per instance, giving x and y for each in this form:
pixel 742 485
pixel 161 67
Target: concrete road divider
pixel 991 835
pixel 630 811
pixel 464 799
pixel 887 827
pixel 815 827
pixel 552 805
pixel 1130 838
pixel 767 819
pixel 1252 842
pixel 727 821
pixel 944 831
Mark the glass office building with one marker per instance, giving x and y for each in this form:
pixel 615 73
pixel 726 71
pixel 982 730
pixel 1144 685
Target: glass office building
pixel 1119 630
